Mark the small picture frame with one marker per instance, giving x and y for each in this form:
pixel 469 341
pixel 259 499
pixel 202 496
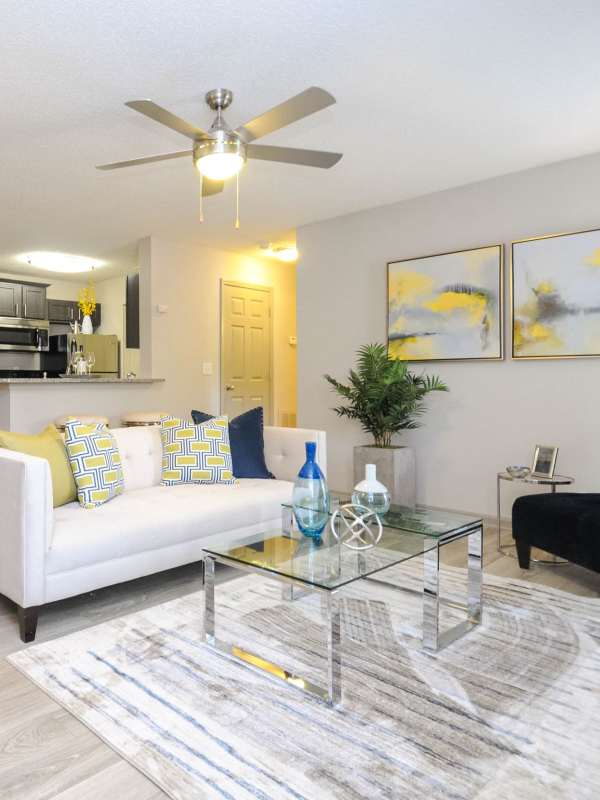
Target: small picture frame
pixel 544 461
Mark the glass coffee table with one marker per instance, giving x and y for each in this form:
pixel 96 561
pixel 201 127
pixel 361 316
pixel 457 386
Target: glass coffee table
pixel 303 565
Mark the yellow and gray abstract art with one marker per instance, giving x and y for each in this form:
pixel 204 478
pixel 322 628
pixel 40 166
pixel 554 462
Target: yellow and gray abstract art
pixel 447 306
pixel 556 296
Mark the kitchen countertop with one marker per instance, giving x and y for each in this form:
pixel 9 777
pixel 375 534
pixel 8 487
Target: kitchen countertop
pixel 68 381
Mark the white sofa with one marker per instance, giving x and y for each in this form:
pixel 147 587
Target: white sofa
pixel 48 554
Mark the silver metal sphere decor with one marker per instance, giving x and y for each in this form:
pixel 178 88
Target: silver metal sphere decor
pixel 360 528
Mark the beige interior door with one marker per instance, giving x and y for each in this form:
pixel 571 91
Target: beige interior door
pixel 246 349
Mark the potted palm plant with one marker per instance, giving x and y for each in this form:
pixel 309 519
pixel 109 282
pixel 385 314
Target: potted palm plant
pixel 386 398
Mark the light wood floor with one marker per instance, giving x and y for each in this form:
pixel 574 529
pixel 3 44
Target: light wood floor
pixel 46 753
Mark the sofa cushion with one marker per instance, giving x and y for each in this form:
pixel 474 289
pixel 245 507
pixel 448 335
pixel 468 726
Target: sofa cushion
pixel 95 461
pixel 141 456
pixel 48 444
pixel 247 442
pixel 150 519
pixel 195 453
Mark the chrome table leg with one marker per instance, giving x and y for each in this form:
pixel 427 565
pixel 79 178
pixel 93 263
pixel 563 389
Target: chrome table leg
pixel 475 575
pixel 334 653
pixel 209 600
pixel 431 598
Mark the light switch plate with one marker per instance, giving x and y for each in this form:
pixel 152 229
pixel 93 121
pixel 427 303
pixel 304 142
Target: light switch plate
pixel 162 309
pixel 207 368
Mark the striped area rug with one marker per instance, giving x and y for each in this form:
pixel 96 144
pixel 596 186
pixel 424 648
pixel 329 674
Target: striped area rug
pixel 510 711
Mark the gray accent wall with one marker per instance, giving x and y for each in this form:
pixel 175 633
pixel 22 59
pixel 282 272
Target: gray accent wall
pixel 496 411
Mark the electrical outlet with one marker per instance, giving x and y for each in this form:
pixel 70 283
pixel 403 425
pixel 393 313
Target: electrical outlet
pixel 207 368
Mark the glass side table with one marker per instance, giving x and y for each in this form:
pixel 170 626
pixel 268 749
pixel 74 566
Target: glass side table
pixel 556 480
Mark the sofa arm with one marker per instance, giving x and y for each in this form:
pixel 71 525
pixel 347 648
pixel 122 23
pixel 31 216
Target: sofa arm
pixel 25 526
pixel 285 452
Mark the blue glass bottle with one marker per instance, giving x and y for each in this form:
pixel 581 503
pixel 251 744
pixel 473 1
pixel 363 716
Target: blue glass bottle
pixel 311 498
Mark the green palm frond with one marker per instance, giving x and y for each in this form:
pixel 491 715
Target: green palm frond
pixel 383 395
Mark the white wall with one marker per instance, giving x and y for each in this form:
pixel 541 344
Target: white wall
pixel 187 280
pixel 496 411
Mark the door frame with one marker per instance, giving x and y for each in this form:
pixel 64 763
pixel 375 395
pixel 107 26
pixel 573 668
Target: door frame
pixel 261 288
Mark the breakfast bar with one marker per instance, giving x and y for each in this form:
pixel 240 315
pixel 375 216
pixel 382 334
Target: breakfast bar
pixel 27 405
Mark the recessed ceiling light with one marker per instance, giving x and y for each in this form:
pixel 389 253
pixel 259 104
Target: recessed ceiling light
pixel 283 253
pixel 60 262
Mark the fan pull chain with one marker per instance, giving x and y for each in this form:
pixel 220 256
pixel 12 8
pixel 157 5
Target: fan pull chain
pixel 201 212
pixel 237 201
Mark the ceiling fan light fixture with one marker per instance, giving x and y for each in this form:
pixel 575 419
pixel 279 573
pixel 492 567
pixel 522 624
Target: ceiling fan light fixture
pixel 220 158
pixel 219 166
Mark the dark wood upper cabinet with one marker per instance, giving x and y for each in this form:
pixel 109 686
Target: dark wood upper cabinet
pixel 132 316
pixel 34 302
pixel 60 311
pixel 97 316
pixel 10 299
pixel 23 300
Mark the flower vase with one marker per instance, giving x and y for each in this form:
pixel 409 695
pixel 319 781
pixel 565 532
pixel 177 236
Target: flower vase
pixel 310 499
pixel 86 325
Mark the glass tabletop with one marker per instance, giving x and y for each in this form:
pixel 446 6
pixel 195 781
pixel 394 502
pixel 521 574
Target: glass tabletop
pixel 325 563
pixel 420 519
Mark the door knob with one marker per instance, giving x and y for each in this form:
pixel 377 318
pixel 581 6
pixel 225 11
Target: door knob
pixel 229 387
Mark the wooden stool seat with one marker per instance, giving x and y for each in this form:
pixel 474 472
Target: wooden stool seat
pixel 140 418
pixel 86 419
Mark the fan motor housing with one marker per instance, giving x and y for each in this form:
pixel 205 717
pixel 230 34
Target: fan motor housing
pixel 223 142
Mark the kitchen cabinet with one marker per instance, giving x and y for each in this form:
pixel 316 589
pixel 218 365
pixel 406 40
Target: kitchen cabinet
pixel 97 316
pixel 24 300
pixel 60 311
pixel 10 299
pixel 34 301
pixel 132 312
pixel 63 311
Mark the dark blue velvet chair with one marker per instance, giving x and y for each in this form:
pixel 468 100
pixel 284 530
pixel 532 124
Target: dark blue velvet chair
pixel 566 524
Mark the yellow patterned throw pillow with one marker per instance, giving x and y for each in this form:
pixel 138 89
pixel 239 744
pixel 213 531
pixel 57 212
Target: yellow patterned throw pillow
pixel 95 461
pixel 196 453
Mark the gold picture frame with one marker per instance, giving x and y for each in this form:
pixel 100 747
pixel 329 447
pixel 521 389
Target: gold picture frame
pixel 497 352
pixel 516 325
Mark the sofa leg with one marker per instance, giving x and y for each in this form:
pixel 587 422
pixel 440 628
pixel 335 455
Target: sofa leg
pixel 28 619
pixel 523 553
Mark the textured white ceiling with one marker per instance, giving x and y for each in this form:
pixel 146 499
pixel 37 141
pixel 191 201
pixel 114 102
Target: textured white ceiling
pixel 431 94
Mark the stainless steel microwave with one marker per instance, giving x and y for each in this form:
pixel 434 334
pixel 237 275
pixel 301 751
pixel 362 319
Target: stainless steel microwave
pixel 30 335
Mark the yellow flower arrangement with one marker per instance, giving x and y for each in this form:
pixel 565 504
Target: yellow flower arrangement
pixel 87 300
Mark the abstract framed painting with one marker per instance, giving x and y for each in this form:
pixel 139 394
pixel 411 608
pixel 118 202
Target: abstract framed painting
pixel 555 296
pixel 447 307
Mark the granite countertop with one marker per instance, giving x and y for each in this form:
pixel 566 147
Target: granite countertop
pixel 68 381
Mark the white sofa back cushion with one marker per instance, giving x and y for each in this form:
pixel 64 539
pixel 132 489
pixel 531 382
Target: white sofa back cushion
pixel 141 453
pixel 141 456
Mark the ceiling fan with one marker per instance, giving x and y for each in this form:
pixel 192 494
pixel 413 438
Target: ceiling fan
pixel 221 152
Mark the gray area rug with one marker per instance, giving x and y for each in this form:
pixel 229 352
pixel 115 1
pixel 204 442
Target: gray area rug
pixel 510 711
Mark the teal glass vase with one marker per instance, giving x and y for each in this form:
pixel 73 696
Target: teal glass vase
pixel 310 498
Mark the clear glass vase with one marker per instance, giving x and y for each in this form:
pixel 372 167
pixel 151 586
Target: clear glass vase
pixel 311 498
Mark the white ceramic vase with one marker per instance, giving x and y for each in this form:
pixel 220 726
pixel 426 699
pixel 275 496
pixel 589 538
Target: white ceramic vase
pixel 86 325
pixel 371 493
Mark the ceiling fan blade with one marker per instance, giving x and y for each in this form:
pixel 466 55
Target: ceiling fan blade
pixel 159 114
pixel 302 105
pixel 134 162
pixel 293 155
pixel 211 187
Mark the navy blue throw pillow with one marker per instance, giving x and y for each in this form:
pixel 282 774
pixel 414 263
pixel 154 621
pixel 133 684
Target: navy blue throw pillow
pixel 246 441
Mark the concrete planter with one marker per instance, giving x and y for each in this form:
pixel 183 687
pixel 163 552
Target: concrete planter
pixel 396 469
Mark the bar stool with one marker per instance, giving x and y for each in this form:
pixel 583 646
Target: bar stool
pixel 86 419
pixel 138 419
